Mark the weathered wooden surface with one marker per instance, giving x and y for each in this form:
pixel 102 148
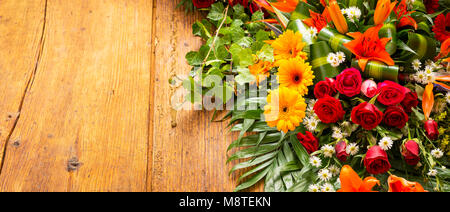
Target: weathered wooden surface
pixel 90 82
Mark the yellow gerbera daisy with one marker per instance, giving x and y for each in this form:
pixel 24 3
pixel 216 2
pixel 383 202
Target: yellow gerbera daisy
pixel 289 45
pixel 285 109
pixel 261 70
pixel 296 74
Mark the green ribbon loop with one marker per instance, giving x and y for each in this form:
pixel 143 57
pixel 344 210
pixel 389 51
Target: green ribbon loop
pixel 379 71
pixel 318 55
pixel 335 40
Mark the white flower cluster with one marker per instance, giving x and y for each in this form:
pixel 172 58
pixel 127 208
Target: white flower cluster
pixel 426 75
pixel 352 149
pixel 328 151
pixel 437 153
pixel 335 59
pixel 326 187
pixel 353 13
pixel 311 120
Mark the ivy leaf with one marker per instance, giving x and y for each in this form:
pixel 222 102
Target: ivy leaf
pixel 216 12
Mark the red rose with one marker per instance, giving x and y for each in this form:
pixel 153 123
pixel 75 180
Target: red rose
pixel 234 2
pixel 410 101
pixel 324 88
pixel 391 93
pixel 203 3
pixel 349 82
pixel 376 161
pixel 308 140
pixel 341 152
pixel 367 115
pixel 395 116
pixel 410 152
pixel 431 127
pixel 329 110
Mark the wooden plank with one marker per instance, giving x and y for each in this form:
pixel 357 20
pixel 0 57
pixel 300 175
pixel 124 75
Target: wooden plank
pixel 84 123
pixel 191 156
pixel 21 26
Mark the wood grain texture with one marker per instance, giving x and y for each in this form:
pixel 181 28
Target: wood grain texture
pixel 21 26
pixel 191 156
pixel 90 82
pixel 84 122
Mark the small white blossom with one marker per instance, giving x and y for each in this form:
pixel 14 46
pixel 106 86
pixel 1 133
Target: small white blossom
pixel 313 32
pixel 340 56
pixel 437 153
pixel 337 133
pixel 416 64
pixel 432 172
pixel 325 174
pixel 315 161
pixel 420 77
pixel 447 97
pixel 352 149
pixel 314 188
pixel 429 69
pixel 429 78
pixel 334 170
pixel 331 57
pixel 429 63
pixel 311 123
pixel 327 188
pixel 353 13
pixel 328 151
pixel 386 143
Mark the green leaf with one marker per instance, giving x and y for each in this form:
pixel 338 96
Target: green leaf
pixel 253 152
pixel 217 12
pixel 253 162
pixel 300 150
pixel 252 181
pixel 252 140
pixel 256 169
pixel 244 76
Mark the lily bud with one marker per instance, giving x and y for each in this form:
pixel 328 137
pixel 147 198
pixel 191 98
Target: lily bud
pixel 338 18
pixel 431 127
pixel 369 88
pixel 383 10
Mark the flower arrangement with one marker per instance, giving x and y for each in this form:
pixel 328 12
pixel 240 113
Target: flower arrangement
pixel 329 95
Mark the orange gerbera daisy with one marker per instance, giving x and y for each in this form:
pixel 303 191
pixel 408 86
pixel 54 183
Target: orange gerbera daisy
pixel 351 182
pixel 261 70
pixel 285 109
pixel 319 21
pixel 369 46
pixel 289 45
pixel 296 74
pixel 398 184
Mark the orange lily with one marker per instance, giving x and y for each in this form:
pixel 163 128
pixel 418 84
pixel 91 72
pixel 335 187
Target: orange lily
pixel 351 182
pixel 369 46
pixel 264 4
pixel 428 100
pixel 398 184
pixel 445 49
pixel 286 5
pixel 383 10
pixel 338 18
pixel 319 21
pixel 404 16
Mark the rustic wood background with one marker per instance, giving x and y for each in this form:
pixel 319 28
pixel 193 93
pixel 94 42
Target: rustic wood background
pixel 84 100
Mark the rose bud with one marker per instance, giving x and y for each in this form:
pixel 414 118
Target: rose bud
pixel 369 88
pixel 410 151
pixel 309 141
pixel 203 3
pixel 329 110
pixel 324 88
pixel 395 116
pixel 391 93
pixel 410 101
pixel 349 82
pixel 341 152
pixel 431 127
pixel 376 161
pixel 241 2
pixel 367 115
